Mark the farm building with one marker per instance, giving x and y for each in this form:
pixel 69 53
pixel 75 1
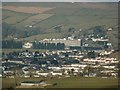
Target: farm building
pixel 27 45
pixel 32 83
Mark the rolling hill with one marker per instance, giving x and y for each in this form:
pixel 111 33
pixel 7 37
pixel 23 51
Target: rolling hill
pixel 67 15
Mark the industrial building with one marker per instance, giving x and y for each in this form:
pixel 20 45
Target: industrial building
pixel 68 43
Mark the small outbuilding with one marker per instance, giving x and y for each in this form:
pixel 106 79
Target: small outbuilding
pixel 31 83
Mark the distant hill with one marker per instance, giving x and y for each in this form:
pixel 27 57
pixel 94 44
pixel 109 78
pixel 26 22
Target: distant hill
pixel 44 17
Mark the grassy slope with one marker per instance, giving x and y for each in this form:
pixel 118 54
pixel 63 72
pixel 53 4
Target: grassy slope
pixel 84 21
pixel 78 15
pixel 33 20
pixel 47 35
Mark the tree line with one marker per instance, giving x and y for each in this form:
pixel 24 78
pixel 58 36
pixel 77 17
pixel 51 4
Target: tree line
pixel 48 46
pixel 12 44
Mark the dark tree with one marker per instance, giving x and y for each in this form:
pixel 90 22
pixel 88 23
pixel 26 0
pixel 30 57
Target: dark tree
pixel 58 29
pixel 91 54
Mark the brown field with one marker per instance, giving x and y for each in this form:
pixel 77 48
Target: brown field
pixel 33 10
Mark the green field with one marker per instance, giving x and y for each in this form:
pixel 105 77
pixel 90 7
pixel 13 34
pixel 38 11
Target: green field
pixel 70 82
pixel 12 17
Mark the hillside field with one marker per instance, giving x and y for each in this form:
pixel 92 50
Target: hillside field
pixel 22 9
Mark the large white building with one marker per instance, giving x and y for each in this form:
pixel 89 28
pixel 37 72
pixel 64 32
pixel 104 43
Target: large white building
pixel 75 42
pixel 27 45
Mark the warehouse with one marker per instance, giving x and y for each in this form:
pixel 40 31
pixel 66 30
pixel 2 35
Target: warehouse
pixel 68 43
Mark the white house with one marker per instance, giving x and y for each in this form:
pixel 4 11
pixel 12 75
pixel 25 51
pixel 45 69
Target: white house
pixel 16 61
pixel 110 29
pixel 30 83
pixel 0 75
pixel 26 76
pixel 28 45
pixel 56 73
pixel 55 68
pixel 43 73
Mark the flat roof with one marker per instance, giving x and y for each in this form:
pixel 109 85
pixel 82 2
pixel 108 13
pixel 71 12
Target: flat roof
pixel 31 82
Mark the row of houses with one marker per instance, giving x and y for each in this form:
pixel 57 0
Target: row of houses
pixel 63 70
pixel 101 60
